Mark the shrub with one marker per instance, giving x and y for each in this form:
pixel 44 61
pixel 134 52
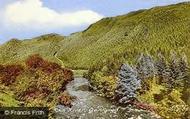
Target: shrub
pixel 9 73
pixel 65 99
pixel 172 106
pixel 35 61
pixel 104 85
pixel 68 74
pixel 39 83
pixel 49 67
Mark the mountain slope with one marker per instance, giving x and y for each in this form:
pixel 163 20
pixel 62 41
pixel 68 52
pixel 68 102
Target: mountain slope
pixel 15 50
pixel 157 29
pixel 163 28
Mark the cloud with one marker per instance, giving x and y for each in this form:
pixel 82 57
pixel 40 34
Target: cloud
pixel 32 14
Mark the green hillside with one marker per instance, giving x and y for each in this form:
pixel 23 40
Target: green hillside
pixel 18 50
pixel 160 28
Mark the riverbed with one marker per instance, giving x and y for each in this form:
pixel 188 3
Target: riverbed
pixel 88 105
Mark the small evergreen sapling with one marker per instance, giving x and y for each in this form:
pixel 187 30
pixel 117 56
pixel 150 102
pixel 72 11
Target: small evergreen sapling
pixel 127 84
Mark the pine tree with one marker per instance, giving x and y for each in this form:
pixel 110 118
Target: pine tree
pixel 145 66
pixel 178 70
pixel 174 66
pixel 127 84
pixel 183 67
pixel 183 72
pixel 185 78
pixel 162 69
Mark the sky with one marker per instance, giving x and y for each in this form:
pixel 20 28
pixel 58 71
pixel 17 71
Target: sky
pixel 24 19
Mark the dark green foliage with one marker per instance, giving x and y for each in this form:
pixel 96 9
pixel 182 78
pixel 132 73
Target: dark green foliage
pixel 174 66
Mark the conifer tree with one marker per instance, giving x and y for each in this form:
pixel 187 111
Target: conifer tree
pixel 183 67
pixel 183 72
pixel 178 70
pixel 145 66
pixel 184 77
pixel 127 84
pixel 162 69
pixel 174 66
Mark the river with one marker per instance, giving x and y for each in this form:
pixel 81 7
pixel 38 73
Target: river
pixel 88 105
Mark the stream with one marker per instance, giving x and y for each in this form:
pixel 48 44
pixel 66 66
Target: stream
pixel 88 105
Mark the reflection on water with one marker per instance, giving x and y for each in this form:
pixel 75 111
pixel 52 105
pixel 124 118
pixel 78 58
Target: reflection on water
pixel 90 106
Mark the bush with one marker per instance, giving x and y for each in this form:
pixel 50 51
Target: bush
pixel 35 61
pixel 9 73
pixel 65 99
pixel 104 85
pixel 68 74
pixel 39 83
pixel 172 106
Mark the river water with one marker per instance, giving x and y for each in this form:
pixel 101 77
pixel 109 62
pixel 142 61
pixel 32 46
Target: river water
pixel 90 106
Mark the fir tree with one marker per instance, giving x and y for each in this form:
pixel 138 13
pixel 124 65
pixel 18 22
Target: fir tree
pixel 145 66
pixel 178 70
pixel 162 69
pixel 127 85
pixel 185 77
pixel 174 66
pixel 183 67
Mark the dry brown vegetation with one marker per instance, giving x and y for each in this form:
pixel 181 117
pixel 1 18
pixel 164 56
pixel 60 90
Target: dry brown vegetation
pixel 38 82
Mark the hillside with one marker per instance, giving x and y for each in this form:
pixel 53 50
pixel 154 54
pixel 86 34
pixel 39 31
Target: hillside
pixel 18 50
pixel 157 29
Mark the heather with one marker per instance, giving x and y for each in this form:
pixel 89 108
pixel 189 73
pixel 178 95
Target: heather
pixel 37 83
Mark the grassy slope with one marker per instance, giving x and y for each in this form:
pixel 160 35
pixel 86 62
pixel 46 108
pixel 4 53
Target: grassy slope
pixel 7 98
pixel 158 28
pixel 162 27
pixel 17 51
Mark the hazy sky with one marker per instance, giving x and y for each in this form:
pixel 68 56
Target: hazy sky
pixel 29 18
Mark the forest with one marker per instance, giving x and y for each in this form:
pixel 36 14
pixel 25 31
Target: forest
pixel 161 82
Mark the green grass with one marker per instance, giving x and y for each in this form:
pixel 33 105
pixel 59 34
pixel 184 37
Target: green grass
pixel 8 100
pixel 79 73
